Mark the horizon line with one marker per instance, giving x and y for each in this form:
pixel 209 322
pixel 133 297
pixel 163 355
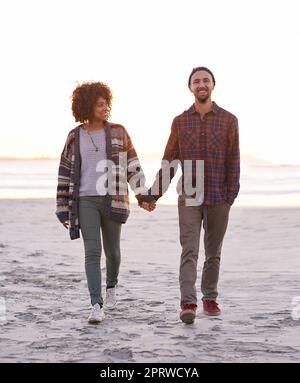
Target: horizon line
pixel 146 154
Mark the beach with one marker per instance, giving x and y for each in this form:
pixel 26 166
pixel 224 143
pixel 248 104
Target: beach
pixel 45 301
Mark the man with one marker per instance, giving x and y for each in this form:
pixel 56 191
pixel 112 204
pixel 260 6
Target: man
pixel 209 133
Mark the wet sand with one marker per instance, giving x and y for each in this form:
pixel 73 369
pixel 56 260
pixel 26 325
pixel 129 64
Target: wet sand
pixel 44 294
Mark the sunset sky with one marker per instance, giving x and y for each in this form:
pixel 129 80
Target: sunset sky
pixel 145 50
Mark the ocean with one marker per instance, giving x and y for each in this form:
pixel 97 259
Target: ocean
pixel 261 185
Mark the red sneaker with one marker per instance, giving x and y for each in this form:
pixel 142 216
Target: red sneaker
pixel 211 308
pixel 188 313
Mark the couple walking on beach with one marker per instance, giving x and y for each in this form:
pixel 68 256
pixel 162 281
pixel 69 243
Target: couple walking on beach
pixel 99 160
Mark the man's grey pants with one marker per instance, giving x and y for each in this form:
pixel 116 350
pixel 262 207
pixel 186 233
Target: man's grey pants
pixel 91 219
pixel 215 220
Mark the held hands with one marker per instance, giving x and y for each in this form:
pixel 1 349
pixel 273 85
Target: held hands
pixel 147 202
pixel 149 206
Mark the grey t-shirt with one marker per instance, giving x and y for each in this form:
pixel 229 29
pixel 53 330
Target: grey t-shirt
pixel 90 182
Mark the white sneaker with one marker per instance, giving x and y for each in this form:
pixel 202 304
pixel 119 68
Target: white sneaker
pixel 111 298
pixel 97 314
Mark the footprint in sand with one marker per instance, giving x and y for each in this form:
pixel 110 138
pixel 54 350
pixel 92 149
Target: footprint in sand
pixel 162 333
pixel 63 264
pixel 43 321
pixel 27 317
pixel 216 328
pixel 240 323
pixel 135 272
pixel 154 321
pixel 267 326
pixel 155 303
pixel 47 312
pixel 283 312
pixel 257 317
pixel 36 253
pixel 119 353
pixel 128 299
pixel 147 354
pixel 289 322
pixel 15 261
pixel 132 336
pixel 179 337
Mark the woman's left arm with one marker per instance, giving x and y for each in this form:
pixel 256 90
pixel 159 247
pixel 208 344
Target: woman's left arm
pixel 135 174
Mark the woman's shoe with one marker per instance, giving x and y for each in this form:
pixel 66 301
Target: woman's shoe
pixel 111 297
pixel 97 314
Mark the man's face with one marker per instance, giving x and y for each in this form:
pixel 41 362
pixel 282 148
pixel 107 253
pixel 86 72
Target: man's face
pixel 101 109
pixel 201 85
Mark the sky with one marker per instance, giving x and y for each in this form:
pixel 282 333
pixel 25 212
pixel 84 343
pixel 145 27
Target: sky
pixel 145 51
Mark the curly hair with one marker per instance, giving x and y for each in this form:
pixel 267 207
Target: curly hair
pixel 84 98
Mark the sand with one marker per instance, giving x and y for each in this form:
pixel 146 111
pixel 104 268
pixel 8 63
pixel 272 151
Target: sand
pixel 44 301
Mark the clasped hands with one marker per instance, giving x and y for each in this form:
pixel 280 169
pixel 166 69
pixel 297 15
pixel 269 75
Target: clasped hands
pixel 147 202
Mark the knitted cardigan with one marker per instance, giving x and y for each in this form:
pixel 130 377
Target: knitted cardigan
pixel 116 206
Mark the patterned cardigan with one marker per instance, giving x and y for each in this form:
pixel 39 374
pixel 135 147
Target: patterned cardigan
pixel 116 206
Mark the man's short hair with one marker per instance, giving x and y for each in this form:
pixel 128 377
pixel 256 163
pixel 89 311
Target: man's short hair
pixel 201 68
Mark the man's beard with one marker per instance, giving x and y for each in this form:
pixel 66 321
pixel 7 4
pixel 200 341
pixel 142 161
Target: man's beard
pixel 202 100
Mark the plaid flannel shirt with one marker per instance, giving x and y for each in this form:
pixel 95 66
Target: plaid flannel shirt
pixel 214 139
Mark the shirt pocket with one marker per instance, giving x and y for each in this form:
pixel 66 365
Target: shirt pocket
pixel 188 140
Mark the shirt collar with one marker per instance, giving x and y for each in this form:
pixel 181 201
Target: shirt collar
pixel 214 108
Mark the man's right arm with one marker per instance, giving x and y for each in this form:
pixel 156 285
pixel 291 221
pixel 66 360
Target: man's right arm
pixel 164 176
pixel 233 163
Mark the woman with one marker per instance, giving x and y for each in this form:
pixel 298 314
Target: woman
pixel 91 198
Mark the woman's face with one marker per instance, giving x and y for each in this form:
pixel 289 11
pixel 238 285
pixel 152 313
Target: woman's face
pixel 101 109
